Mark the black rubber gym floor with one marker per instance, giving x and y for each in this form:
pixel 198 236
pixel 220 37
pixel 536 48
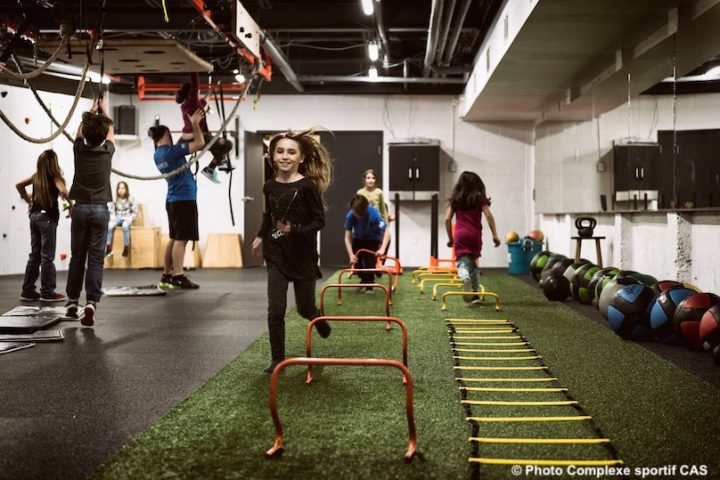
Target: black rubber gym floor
pixel 66 408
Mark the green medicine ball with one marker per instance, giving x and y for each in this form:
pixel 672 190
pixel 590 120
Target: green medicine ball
pixel 538 262
pixel 580 285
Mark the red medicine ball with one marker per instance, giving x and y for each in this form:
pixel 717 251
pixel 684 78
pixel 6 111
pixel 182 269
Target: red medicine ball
pixel 687 317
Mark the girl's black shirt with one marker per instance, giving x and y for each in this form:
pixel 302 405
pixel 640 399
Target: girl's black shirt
pixel 298 203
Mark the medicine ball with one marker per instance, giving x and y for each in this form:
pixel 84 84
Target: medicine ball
pixel 610 289
pixel 628 312
pixel 551 261
pixel 710 328
pixel 663 311
pixel 580 286
pixel 607 272
pixel 570 271
pixel 645 279
pixel 512 237
pixel 686 320
pixel 664 285
pixel 536 235
pixel 556 288
pixel 538 262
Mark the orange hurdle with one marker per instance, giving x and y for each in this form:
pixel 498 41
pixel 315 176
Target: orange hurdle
pixel 354 285
pixel 391 284
pixel 308 335
pixel 277 448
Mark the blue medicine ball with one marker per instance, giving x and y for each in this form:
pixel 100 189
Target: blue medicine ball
pixel 628 314
pixel 663 311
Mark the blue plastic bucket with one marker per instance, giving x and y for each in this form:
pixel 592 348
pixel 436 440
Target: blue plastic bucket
pixel 519 256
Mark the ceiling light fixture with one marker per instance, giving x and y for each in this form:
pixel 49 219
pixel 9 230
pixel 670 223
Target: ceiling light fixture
pixel 372 72
pixel 240 78
pixel 367 7
pixel 373 52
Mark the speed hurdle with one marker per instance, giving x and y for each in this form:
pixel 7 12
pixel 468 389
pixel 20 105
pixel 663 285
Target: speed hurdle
pixel 328 286
pixel 277 448
pixel 483 294
pixel 308 334
pixel 351 271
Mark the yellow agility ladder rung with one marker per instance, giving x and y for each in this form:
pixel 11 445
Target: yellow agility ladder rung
pixel 557 463
pixel 517 379
pixel 497 337
pixel 495 350
pixel 477 320
pixel 490 344
pixel 553 403
pixel 534 357
pixel 483 329
pixel 575 418
pixel 543 441
pixel 458 367
pixel 495 331
pixel 500 389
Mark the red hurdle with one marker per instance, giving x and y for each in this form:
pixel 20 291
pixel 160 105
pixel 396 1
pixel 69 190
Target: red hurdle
pixel 351 318
pixel 355 285
pixel 277 447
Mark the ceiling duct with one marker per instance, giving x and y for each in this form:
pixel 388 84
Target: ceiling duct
pixel 447 54
pixel 433 34
pixel 281 62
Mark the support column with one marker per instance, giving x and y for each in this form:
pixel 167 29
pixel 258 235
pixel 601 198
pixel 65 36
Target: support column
pixel 679 247
pixel 623 225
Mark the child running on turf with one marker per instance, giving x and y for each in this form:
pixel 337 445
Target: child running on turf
pixel 468 202
pixel 365 229
pixel 188 96
pixel 122 212
pixel 48 183
pixel 288 235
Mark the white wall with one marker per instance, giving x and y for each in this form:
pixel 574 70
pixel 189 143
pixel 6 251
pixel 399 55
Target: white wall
pixel 500 153
pixel 18 160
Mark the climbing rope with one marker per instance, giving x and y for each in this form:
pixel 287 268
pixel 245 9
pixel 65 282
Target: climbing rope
pixel 42 104
pixel 65 30
pixel 61 127
pixel 194 160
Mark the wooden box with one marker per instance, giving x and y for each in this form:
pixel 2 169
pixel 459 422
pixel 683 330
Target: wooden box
pixel 140 217
pixel 223 250
pixel 144 244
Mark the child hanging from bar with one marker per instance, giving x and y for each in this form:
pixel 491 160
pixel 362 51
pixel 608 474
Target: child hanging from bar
pixel 188 96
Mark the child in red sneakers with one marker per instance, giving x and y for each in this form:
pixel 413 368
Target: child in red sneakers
pixel 122 212
pixel 468 203
pixel 44 212
pixel 288 235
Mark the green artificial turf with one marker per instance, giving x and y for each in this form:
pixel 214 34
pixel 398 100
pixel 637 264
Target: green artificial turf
pixel 350 422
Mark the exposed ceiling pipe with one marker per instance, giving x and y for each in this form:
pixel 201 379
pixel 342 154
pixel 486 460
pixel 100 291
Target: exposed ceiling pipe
pixel 355 79
pixel 447 55
pixel 447 17
pixel 432 39
pixel 381 28
pixel 281 62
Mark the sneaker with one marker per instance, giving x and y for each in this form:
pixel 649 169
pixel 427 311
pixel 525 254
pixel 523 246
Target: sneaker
pixel 475 300
pixel 323 328
pixel 30 296
pixel 166 282
pixel 181 281
pixel 55 297
pixel 126 250
pixel 467 287
pixel 271 366
pixel 369 291
pixel 88 316
pixel 108 250
pixel 71 309
pixel 211 174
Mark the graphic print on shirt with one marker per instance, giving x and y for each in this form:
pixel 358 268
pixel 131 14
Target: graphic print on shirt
pixel 279 209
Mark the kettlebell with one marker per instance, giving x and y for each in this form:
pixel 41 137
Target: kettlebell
pixel 585 226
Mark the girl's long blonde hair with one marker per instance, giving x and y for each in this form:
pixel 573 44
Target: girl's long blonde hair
pixel 48 170
pixel 317 165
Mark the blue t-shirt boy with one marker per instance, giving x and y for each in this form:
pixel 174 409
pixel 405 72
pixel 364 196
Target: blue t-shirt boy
pixel 370 227
pixel 180 187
